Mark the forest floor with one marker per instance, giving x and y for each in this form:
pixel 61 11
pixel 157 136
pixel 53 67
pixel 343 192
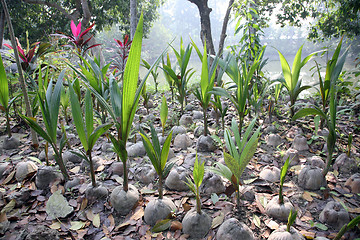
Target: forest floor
pixel 24 206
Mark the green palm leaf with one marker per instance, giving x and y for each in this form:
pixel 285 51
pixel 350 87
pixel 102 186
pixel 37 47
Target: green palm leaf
pixel 77 117
pixel 165 151
pixel 34 125
pixel 100 130
pixel 4 88
pixel 89 116
pixel 163 111
pixel 130 81
pixel 286 71
pixel 204 82
pixel 198 172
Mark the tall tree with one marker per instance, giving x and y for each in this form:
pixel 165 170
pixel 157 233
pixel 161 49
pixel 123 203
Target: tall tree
pixel 265 7
pixel 34 138
pixel 205 33
pixel 224 26
pixel 2 27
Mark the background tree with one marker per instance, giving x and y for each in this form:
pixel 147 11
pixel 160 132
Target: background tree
pixel 333 18
pixel 132 18
pixel 30 16
pixel 43 18
pixel 34 138
pixel 205 33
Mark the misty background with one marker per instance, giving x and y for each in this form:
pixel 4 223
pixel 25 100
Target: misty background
pixel 180 19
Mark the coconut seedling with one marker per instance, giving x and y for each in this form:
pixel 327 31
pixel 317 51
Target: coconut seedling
pixel 124 102
pixel 287 232
pixel 50 105
pixel 146 98
pixel 162 207
pixel 208 73
pixel 181 80
pixel 217 105
pixel 196 223
pixel 241 75
pixel 96 76
pixel 347 227
pixel 291 79
pixel 333 70
pixel 163 114
pixel 84 124
pixel 291 219
pixel 280 207
pixel 240 154
pixel 217 102
pixel 273 98
pixel 154 73
pixel 167 76
pixel 65 102
pixel 9 142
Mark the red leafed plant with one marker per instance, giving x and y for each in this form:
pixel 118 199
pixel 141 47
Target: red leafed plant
pixel 121 53
pixel 28 56
pixel 78 39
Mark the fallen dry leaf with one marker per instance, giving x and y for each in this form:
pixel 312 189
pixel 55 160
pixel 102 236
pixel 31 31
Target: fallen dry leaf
pixel 112 222
pixel 256 221
pixel 186 207
pixel 175 225
pixel 272 224
pixel 307 235
pixel 138 214
pixel 83 204
pixel 307 196
pixel 3 217
pixel 260 205
pixel 96 220
pixel 10 206
pixel 105 230
pixel 81 233
pixel 89 215
pixel 100 168
pixel 8 178
pixel 122 225
pixel 76 225
pixel 55 225
pixel 354 210
pixel 75 169
pixel 306 218
pixel 217 221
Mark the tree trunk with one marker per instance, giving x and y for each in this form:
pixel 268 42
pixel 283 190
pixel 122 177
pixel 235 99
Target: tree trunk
pixel 34 138
pixel 133 21
pixel 86 13
pixel 205 23
pixel 224 27
pixel 2 27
